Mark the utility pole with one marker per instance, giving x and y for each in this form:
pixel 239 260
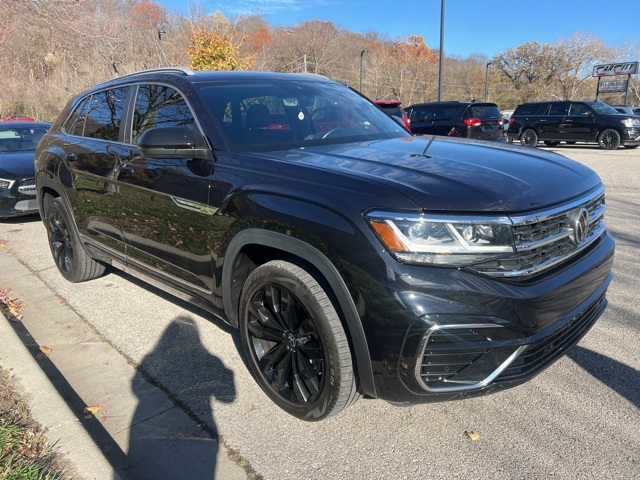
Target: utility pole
pixel 441 50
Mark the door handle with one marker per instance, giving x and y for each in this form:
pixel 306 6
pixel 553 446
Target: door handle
pixel 124 169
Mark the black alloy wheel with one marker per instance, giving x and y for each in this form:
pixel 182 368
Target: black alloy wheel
pixel 529 138
pixel 609 139
pixel 296 346
pixel 68 254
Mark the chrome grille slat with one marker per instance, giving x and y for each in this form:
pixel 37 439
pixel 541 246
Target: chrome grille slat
pixel 544 239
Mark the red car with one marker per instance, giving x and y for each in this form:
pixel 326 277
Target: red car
pixel 394 107
pixel 17 118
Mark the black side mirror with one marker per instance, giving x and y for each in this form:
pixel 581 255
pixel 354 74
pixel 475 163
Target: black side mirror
pixel 170 142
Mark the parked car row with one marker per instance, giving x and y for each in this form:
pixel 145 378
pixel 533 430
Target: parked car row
pixel 550 122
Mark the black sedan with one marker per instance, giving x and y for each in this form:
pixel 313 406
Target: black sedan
pixel 18 141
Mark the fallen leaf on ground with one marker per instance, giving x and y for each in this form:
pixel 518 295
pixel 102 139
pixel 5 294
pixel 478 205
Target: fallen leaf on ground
pixel 472 435
pixel 11 307
pixel 91 411
pixel 46 350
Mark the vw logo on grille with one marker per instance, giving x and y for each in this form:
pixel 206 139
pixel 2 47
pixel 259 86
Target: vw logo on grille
pixel 580 226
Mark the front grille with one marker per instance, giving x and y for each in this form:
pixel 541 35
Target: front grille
pixel 28 187
pixel 540 354
pixel 548 238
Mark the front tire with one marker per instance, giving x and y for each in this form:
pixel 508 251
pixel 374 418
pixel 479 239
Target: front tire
pixel 296 346
pixel 609 139
pixel 529 138
pixel 68 253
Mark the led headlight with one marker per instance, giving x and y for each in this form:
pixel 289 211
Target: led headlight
pixel 439 240
pixel 631 122
pixel 6 184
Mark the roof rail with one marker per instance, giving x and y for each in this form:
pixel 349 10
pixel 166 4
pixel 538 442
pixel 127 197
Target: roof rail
pixel 176 70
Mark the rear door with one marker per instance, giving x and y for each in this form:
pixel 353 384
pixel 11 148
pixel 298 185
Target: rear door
pixel 92 144
pixel 551 123
pixel 579 124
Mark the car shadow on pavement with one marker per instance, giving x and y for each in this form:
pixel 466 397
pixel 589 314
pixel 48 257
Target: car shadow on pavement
pixel 621 378
pixel 164 441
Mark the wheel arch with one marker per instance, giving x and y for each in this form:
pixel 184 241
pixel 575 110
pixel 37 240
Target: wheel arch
pixel 239 263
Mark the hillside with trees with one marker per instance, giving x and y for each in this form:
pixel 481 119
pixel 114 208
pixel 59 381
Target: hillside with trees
pixel 54 49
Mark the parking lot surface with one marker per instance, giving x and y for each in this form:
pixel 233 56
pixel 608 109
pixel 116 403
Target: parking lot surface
pixel 578 419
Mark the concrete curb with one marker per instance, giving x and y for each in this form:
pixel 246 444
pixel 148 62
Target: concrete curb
pixel 138 432
pixel 64 430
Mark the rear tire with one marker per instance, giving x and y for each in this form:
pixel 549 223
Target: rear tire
pixel 68 253
pixel 609 139
pixel 529 138
pixel 297 349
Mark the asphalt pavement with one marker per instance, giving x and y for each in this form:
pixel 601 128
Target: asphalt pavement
pixel 169 380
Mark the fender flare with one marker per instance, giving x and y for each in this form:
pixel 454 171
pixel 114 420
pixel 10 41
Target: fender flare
pixel 316 258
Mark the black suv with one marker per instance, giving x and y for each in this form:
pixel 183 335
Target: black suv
pixel 571 122
pixel 354 258
pixel 478 120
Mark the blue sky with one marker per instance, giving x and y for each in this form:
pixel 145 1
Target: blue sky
pixel 471 26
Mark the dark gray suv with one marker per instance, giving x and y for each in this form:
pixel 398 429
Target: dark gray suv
pixel 354 258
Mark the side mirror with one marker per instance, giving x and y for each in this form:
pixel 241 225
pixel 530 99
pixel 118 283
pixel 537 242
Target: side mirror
pixel 170 142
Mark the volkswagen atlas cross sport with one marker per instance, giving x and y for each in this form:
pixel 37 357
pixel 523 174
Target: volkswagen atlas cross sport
pixel 354 258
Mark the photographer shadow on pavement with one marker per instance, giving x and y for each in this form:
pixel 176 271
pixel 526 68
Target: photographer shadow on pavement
pixel 161 443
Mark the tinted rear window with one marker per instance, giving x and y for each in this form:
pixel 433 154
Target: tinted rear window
pixel 528 108
pixel 484 112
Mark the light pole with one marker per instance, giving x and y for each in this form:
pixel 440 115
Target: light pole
pixel 441 51
pixel 161 32
pixel 361 55
pixel 486 82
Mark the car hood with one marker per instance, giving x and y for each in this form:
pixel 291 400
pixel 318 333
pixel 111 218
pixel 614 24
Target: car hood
pixel 442 174
pixel 14 165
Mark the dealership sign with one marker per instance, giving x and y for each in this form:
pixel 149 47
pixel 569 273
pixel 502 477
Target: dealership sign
pixel 616 86
pixel 611 69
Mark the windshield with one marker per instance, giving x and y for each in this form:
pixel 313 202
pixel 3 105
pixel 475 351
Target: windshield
pixel 603 108
pixel 18 139
pixel 296 113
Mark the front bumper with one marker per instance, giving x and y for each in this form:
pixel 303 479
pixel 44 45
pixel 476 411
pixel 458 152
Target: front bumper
pixel 19 200
pixel 470 335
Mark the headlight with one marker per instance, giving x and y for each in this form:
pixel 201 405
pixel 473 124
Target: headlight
pixel 631 122
pixel 446 241
pixel 7 184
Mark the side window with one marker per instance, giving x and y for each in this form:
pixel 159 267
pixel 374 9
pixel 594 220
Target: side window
pixel 558 109
pixel 423 114
pixel 75 123
pixel 104 114
pixel 159 106
pixel 578 109
pixel 447 112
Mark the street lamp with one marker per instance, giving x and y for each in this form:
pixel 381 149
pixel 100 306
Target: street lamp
pixel 441 50
pixel 361 55
pixel 486 82
pixel 161 32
